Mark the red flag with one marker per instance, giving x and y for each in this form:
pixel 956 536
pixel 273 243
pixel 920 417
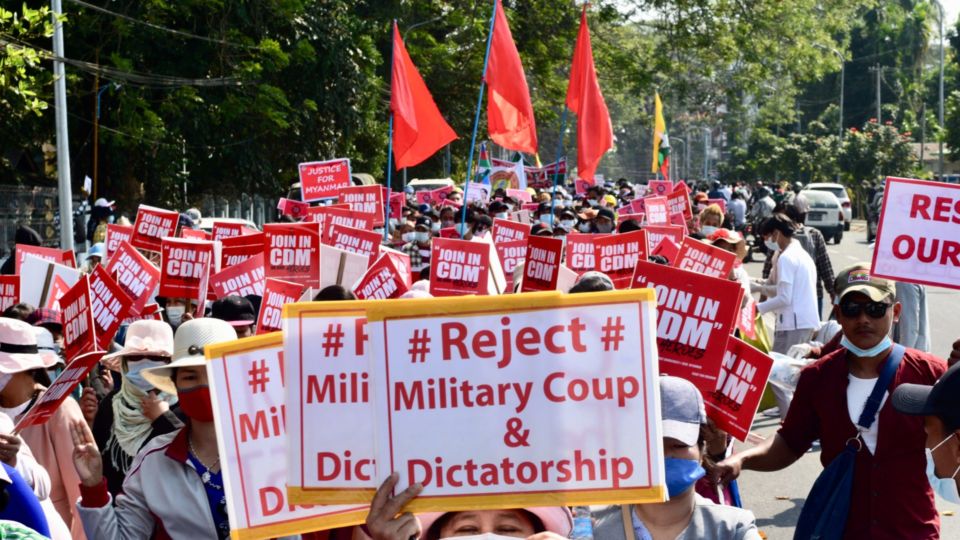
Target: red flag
pixel 418 128
pixel 509 110
pixel 594 131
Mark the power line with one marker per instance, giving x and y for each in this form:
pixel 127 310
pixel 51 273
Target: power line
pixel 170 144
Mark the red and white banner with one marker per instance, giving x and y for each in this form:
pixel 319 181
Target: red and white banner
pixel 917 234
pixel 702 258
pixel 137 276
pixel 659 188
pixel 195 234
pixel 276 293
pixel 292 252
pixel 617 255
pixel 110 306
pixel 504 230
pixel 185 268
pixel 152 226
pixel 324 179
pixel 580 253
pixel 656 210
pixel 365 200
pixel 459 267
pixel 242 279
pixel 65 257
pixel 48 402
pixel 696 315
pixel 79 335
pixel 543 177
pixel 9 291
pixel 237 249
pixel 733 404
pixel 679 201
pixel 434 197
pixel 361 241
pixel 296 209
pixel 58 288
pixel 116 235
pixel 226 229
pixel 383 280
pixel 541 268
pixel 511 254
pixel 328 216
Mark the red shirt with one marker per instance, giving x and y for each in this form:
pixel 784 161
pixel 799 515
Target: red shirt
pixel 892 498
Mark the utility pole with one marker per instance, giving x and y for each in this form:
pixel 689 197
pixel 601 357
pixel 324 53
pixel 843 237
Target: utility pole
pixel 63 143
pixel 940 138
pixel 879 71
pixel 706 153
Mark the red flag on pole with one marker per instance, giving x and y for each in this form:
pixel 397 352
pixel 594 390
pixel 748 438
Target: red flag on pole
pixel 419 129
pixel 594 131
pixel 509 110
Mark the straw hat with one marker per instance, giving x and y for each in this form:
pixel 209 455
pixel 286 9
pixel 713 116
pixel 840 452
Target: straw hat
pixel 192 336
pixel 18 348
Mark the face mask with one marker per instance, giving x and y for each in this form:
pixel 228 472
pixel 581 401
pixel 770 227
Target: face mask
pixel 569 223
pixel 584 227
pixel 707 230
pixel 546 218
pixel 501 215
pixel 195 403
pixel 681 474
pixel 134 373
pixel 866 353
pixel 606 228
pixel 435 227
pixel 946 488
pixel 771 245
pixel 422 236
pixel 461 229
pixel 175 315
pixel 14 412
pixel 509 207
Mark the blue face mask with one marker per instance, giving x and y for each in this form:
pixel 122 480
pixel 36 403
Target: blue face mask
pixel 462 228
pixel 681 475
pixel 946 488
pixel 866 353
pixel 135 376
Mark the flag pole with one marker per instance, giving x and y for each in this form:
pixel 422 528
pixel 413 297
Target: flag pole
pixel 386 218
pixel 556 173
pixel 476 122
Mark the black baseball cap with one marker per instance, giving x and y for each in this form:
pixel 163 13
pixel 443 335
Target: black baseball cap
pixel 606 213
pixel 236 310
pixel 424 221
pixel 941 400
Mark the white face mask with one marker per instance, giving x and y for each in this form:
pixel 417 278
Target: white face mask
pixel 946 488
pixel 435 227
pixel 501 215
pixel 135 376
pixel 422 236
pixel 546 218
pixel 407 237
pixel 175 315
pixel 14 412
pixel 771 245
pixel 584 227
pixel 569 224
pixel 707 230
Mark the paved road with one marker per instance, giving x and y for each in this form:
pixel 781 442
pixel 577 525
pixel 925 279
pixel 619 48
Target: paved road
pixel 776 498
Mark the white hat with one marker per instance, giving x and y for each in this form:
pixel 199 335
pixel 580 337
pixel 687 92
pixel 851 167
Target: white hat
pixel 144 338
pixel 18 348
pixel 103 203
pixel 192 336
pixel 681 409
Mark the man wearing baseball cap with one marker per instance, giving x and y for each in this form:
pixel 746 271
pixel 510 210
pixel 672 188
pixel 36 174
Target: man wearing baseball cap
pixel 890 496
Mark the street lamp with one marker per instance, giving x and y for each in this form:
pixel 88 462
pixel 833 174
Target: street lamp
pixel 842 80
pixel 940 112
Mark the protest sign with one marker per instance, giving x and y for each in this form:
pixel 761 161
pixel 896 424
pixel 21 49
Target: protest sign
pixel 666 249
pixel 292 252
pixel 678 201
pixel 323 179
pixel 152 226
pixel 659 188
pixel 79 335
pixel 743 377
pixel 226 229
pixel 185 268
pixel 397 200
pixel 695 317
pixel 433 197
pixel 365 200
pixel 296 209
pixel 382 280
pixel 136 275
pixel 616 255
pixel 656 233
pixel 325 351
pixel 9 291
pixel 722 203
pixel 247 381
pixel 677 220
pixel 150 312
pixel 506 175
pixel 541 267
pixel 638 206
pixel 193 234
pixel 555 379
pixel 401 261
pixel 328 216
pixel 237 249
pixel 458 267
pixel 656 210
pixel 449 232
pixel 747 322
pixel 580 253
pixel 511 254
pixel 49 401
pixel 116 235
pixel 917 234
pixel 477 192
pixel 581 186
pixel 242 279
pixel 520 195
pixel 454 204
pixel 360 241
pixel 110 306
pixel 38 278
pixel 276 294
pixel 65 257
pixel 509 231
pixel 341 267
pixel 543 177
pixel 58 288
pixel 702 258
pixel 530 207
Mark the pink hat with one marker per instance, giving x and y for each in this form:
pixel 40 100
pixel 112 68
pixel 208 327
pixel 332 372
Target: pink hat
pixel 556 519
pixel 144 338
pixel 18 348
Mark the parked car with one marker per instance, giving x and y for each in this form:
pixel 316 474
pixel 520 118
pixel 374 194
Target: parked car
pixel 840 193
pixel 873 215
pixel 428 184
pixel 825 215
pixel 206 224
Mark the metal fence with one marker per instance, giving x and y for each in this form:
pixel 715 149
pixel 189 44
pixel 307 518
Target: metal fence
pixel 35 207
pixel 254 208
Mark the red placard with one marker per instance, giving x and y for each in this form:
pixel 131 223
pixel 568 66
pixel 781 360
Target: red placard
pixel 110 306
pixel 733 404
pixel 458 267
pixel 366 201
pixel 541 267
pixel 226 229
pixel 237 249
pixel 58 288
pixel 64 257
pixel 617 255
pixel 401 261
pixel 397 200
pixel 695 317
pixel 659 188
pixel 679 201
pixel 185 267
pixel 364 242
pixel 276 293
pixel 292 208
pixel 656 210
pixel 48 403
pixel 656 233
pixel 580 254
pixel 434 196
pixel 530 207
pixel 702 258
pixel 677 220
pixel 150 312
pixel 449 232
pixel 9 291
pixel 627 217
pixel 509 231
pixel 328 216
pixel 79 334
pixel 722 203
pixel 323 179
pixel 381 281
pixel 116 235
pixel 136 275
pixel 194 234
pixel 638 206
pixel 747 322
pixel 241 279
pixel 666 248
pixel 511 254
pixel 152 226
pixel 520 195
pixel 292 253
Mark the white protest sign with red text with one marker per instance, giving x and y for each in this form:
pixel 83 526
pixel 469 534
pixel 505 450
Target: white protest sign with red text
pixel 48 402
pixel 116 235
pixel 79 335
pixel 917 234
pixel 247 381
pixel 743 377
pixel 110 306
pixel 383 280
pixel 58 288
pixel 65 257
pixel 555 379
pixel 137 276
pixel 242 279
pixel 152 226
pixel 459 267
pixel 292 252
pixel 185 267
pixel 276 294
pixel 702 258
pixel 541 266
pixel 39 278
pixel 366 200
pixel 695 317
pixel 9 291
pixel 617 255
pixel 656 210
pixel 324 179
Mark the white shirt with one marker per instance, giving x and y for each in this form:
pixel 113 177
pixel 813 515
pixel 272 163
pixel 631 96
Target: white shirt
pixel 796 301
pixel 858 390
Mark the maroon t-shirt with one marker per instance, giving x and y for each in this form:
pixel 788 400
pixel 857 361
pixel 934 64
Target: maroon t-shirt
pixel 892 498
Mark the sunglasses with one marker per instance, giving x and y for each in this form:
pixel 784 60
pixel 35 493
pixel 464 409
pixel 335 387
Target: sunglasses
pixel 874 310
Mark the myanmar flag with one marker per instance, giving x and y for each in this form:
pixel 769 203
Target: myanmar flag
pixel 661 141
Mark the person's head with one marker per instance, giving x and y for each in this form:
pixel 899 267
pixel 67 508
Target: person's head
pixel 777 229
pixel 174 309
pixel 481 226
pixel 940 406
pixel 20 358
pixel 423 231
pixel 866 309
pixel 26 235
pixel 736 195
pixel 568 219
pixel 334 293
pixel 446 217
pixel 19 311
pixel 96 254
pixel 541 229
pixel 592 281
pixel 684 419
pixel 516 522
pixel 711 219
pixel 729 240
pixel 237 311
pixel 147 344
pixel 629 225
pixel 51 319
pixel 455 196
pixel 797 187
pixel 794 213
pixel 605 220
